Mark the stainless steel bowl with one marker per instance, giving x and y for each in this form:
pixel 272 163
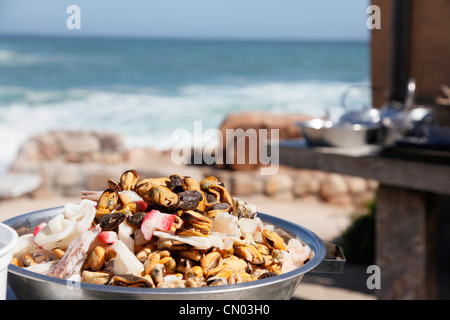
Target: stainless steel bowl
pixel 30 285
pixel 325 133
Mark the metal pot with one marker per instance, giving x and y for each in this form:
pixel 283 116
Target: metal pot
pixel 30 285
pixel 325 133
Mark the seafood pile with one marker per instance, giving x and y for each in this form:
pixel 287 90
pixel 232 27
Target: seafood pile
pixel 159 232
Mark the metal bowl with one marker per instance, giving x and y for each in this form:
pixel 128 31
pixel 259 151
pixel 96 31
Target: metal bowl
pixel 325 133
pixel 30 285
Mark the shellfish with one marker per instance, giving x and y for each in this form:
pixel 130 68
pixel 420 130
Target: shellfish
pixel 273 240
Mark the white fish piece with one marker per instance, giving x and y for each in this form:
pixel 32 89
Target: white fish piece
pixel 171 278
pixel 124 233
pixel 197 242
pixel 125 261
pixel 226 223
pixel 24 243
pixel 75 255
pixel 42 267
pixel 131 194
pixel 253 226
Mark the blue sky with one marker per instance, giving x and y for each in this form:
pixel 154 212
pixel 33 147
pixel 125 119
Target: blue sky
pixel 235 19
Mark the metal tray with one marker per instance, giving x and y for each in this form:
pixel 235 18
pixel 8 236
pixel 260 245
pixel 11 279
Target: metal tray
pixel 30 285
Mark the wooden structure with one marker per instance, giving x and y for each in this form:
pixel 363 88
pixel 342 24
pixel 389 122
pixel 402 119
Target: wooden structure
pixel 406 217
pixel 412 43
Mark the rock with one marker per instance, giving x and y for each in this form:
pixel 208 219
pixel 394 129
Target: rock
pixel 356 184
pixel 110 141
pixel 332 186
pixel 254 120
pixel 243 185
pixel 340 199
pixel 18 184
pixel 76 142
pixel 307 182
pixel 278 184
pixel 70 176
pixel 72 146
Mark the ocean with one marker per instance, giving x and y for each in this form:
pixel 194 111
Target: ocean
pixel 147 88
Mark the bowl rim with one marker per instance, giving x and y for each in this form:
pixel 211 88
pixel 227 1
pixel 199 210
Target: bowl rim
pixel 304 234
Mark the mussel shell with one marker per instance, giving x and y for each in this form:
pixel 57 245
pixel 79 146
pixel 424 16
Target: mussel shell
pixel 108 199
pixel 176 183
pixel 162 196
pixel 211 199
pixel 129 280
pixel 214 209
pixel 267 274
pixel 111 221
pixel 189 200
pixel 191 184
pixel 136 219
pixel 216 281
pixel 128 180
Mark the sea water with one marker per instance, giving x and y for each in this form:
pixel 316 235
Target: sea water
pixel 147 88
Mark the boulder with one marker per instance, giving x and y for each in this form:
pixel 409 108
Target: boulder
pixel 244 185
pixel 243 144
pixel 333 186
pixel 72 146
pixel 278 184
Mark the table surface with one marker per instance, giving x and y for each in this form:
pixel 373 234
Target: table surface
pixel 371 162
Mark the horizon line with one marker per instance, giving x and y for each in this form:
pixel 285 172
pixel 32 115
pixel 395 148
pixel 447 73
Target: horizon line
pixel 180 38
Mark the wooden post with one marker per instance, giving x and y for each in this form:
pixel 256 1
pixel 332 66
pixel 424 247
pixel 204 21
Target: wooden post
pixel 406 222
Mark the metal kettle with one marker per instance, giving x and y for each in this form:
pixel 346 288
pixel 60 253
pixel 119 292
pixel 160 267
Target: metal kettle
pixel 404 120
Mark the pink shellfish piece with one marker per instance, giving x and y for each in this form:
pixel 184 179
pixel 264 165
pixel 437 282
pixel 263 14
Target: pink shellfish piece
pixel 155 220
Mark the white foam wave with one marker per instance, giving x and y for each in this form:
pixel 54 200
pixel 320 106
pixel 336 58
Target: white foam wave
pixel 12 58
pixel 148 118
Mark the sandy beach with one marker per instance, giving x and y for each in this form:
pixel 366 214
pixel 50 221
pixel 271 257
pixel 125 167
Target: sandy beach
pixel 327 221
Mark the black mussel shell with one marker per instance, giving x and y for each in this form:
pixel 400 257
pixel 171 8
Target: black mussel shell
pixel 189 200
pixel 111 221
pixel 136 219
pixel 176 183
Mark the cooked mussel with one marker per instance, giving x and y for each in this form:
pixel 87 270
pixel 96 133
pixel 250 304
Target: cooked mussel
pixel 195 223
pixel 160 195
pixel 190 200
pixel 273 240
pixel 135 220
pixel 111 221
pixel 129 280
pixel 176 183
pixel 214 209
pixel 128 180
pixel 213 186
pixel 108 200
pixel 96 277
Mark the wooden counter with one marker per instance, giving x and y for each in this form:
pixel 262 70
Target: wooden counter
pixel 406 216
